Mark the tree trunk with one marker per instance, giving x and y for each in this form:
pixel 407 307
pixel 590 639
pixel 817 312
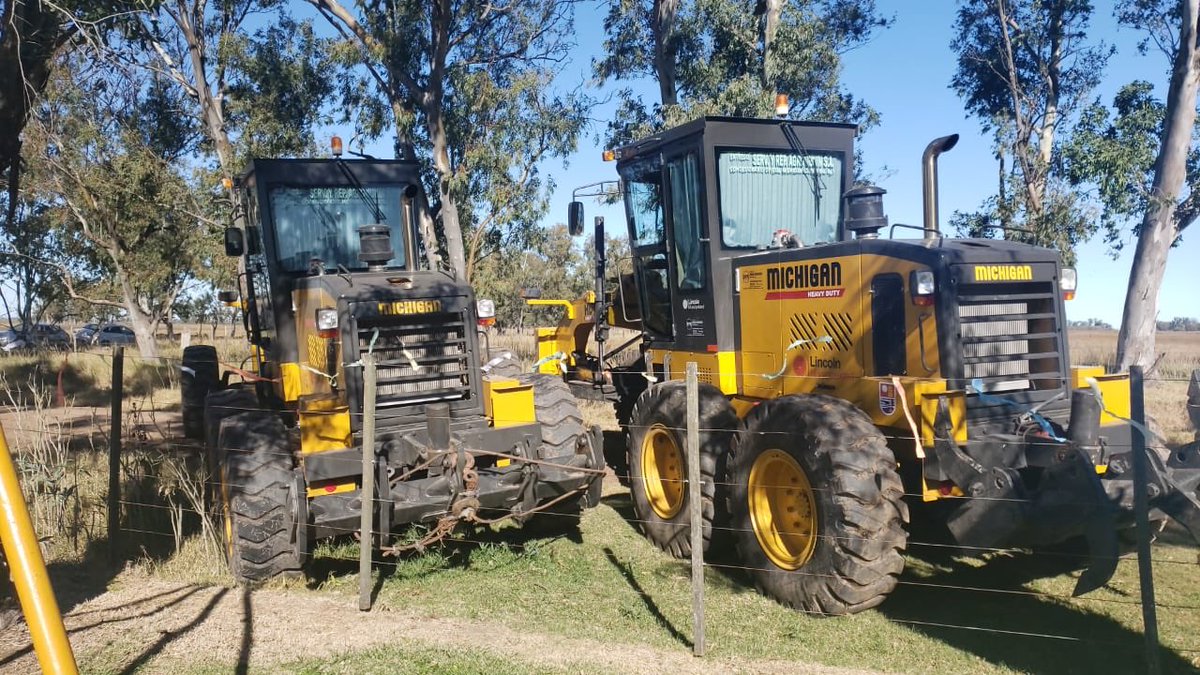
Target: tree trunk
pixel 451 227
pixel 769 23
pixel 663 20
pixel 1135 344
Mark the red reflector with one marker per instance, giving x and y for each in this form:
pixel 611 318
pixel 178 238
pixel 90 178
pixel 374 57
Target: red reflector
pixel 712 349
pixel 944 489
pixel 330 488
pixel 923 300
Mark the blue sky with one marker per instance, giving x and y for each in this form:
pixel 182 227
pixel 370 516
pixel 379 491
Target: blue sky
pixel 905 74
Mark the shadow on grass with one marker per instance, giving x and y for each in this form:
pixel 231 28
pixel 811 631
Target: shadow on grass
pixel 463 550
pixel 1006 624
pixel 1009 626
pixel 630 578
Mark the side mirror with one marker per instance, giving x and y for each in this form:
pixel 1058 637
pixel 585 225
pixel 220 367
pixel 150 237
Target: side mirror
pixel 227 297
pixel 575 218
pixel 531 293
pixel 235 242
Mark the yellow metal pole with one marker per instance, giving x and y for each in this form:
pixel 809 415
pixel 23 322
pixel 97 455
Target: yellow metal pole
pixel 29 573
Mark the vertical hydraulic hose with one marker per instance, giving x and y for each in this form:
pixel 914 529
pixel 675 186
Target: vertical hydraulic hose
pixel 29 573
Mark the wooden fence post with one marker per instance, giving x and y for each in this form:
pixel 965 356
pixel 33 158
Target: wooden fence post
pixel 1141 511
pixel 697 523
pixel 367 496
pixel 114 452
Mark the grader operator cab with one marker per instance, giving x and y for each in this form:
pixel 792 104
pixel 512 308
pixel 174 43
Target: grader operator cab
pixel 330 252
pixel 844 376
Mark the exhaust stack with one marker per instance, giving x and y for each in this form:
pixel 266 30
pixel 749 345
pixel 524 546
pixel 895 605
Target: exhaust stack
pixel 929 182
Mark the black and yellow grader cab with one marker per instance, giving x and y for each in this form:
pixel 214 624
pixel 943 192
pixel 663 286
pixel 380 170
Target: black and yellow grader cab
pixel 330 252
pixel 845 377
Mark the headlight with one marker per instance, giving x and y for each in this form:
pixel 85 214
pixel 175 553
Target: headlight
pixel 1068 281
pixel 486 312
pixel 327 319
pixel 922 287
pixel 486 309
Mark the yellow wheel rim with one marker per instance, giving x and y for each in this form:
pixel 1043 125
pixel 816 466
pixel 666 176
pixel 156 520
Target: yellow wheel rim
pixel 662 471
pixel 783 510
pixel 227 515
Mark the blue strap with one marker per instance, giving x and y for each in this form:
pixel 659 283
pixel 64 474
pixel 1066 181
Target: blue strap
pixel 977 385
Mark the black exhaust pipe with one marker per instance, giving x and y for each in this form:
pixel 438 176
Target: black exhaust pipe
pixel 929 183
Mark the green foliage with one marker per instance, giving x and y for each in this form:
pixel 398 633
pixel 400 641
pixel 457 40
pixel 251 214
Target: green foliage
pixel 469 93
pixel 725 65
pixel 1116 150
pixel 982 76
pixel 127 217
pixel 282 77
pixel 550 263
pixel 1023 69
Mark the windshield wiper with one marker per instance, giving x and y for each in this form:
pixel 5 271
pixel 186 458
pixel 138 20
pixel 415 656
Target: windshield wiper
pixel 362 193
pixel 818 184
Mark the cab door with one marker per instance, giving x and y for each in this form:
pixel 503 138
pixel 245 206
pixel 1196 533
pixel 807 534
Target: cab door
pixel 644 210
pixel 690 289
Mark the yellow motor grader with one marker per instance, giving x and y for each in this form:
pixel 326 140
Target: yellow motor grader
pixel 331 254
pixel 844 376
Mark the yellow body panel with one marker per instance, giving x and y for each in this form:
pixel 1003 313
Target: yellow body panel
pixel 324 424
pixel 716 368
pixel 570 335
pixel 508 402
pixel 1114 389
pixel 331 489
pixel 292 386
pixel 314 350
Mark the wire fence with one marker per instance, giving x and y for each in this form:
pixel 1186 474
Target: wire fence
pixel 167 493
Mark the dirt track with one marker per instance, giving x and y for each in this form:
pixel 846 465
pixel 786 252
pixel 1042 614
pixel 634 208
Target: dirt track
pixel 155 626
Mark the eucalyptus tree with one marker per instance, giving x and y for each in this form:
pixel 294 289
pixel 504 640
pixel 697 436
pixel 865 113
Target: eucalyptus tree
pixel 1024 68
pixel 129 218
pixel 471 93
pixel 1143 161
pixel 733 58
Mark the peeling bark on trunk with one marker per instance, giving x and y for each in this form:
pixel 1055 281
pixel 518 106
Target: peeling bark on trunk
pixel 1135 344
pixel 665 12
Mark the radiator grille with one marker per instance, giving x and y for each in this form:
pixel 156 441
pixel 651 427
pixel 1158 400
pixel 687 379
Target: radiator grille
pixel 419 359
pixel 1010 340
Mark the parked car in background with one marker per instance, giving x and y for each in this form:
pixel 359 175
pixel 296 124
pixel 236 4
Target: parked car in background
pixel 41 336
pixel 114 334
pixel 84 335
pixel 11 338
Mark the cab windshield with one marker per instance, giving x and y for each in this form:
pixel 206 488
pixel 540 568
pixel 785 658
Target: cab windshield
pixel 765 194
pixel 322 223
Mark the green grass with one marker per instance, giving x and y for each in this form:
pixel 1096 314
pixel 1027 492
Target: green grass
pixel 614 587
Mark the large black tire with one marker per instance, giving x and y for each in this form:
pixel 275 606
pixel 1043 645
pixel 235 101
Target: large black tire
pixel 199 375
pixel 658 463
pixel 257 494
pixel 845 557
pixel 630 383
pixel 217 406
pixel 562 426
pixel 557 412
